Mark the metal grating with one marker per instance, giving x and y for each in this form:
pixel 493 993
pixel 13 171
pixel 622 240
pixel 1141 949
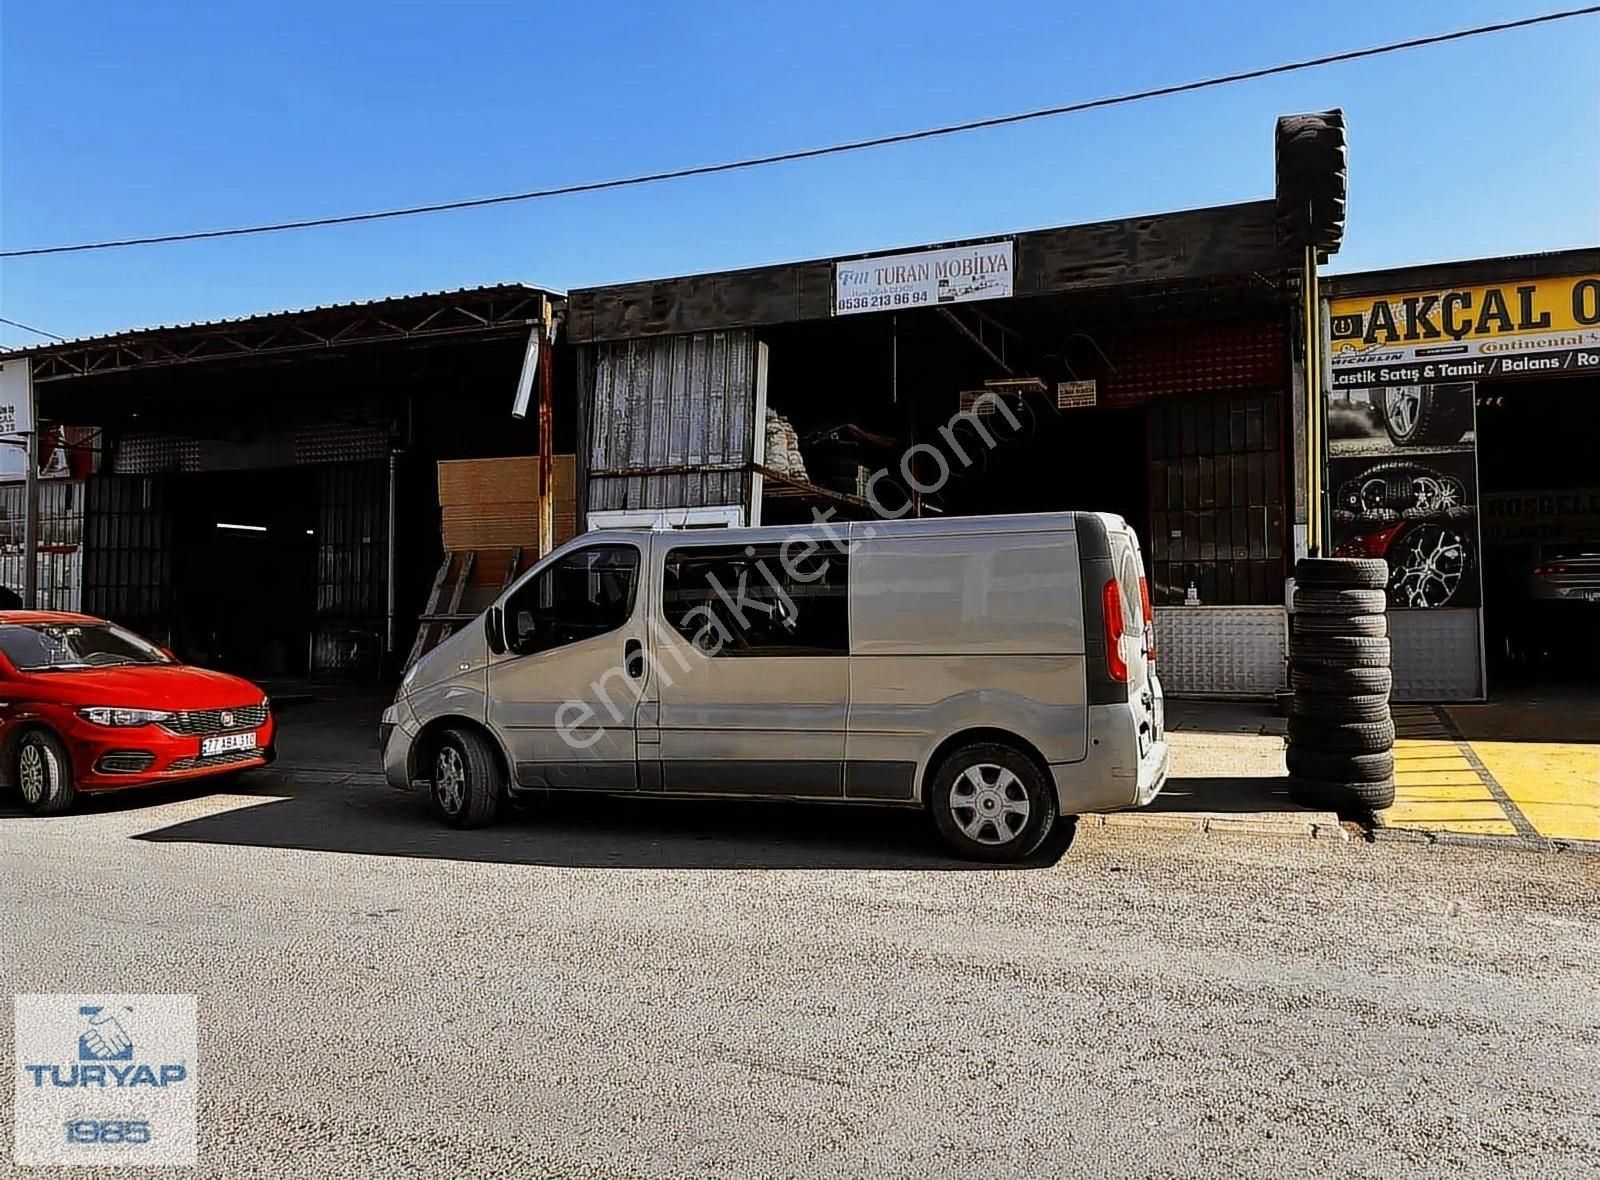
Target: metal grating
pixel 1436 655
pixel 127 553
pixel 352 567
pixel 317 442
pixel 198 722
pixel 1216 499
pixel 125 762
pixel 231 758
pixel 59 556
pixel 1190 358
pixel 1237 651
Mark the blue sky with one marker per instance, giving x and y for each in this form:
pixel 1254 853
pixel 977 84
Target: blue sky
pixel 120 119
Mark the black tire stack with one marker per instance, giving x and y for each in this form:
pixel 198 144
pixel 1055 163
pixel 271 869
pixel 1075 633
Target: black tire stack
pixel 1341 737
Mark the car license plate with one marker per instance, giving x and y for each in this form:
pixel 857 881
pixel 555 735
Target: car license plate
pixel 226 742
pixel 1593 596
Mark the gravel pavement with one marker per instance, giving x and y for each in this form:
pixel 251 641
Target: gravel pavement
pixel 641 989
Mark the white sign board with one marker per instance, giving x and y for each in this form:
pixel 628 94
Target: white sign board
pixel 16 417
pixel 1076 395
pixel 924 278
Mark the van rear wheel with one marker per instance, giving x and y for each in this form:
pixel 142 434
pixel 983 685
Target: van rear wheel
pixel 991 803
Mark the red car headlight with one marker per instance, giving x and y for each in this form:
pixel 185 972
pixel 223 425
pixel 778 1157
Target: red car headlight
pixel 123 718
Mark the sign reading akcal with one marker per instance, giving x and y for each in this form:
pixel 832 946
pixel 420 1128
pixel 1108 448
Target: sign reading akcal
pixel 924 278
pixel 1466 333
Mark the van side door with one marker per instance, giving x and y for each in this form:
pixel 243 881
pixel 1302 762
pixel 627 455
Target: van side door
pixel 564 694
pixel 751 668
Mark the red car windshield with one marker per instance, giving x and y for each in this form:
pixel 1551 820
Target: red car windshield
pixel 37 647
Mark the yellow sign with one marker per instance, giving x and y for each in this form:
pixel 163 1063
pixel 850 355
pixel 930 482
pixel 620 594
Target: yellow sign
pixel 1466 333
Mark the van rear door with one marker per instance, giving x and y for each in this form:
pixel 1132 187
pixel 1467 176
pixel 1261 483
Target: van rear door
pixel 1138 639
pixel 1119 623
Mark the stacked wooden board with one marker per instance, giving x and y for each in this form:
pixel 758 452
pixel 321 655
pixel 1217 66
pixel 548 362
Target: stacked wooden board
pixel 494 503
pixel 489 522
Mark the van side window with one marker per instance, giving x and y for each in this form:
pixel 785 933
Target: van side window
pixel 586 593
pixel 762 600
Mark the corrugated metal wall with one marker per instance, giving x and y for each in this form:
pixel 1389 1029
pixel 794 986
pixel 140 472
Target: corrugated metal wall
pixel 670 421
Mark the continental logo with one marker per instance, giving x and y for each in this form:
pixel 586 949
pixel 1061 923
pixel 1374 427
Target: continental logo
pixel 1475 314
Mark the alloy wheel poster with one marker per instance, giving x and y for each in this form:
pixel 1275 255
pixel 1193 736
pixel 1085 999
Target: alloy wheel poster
pixel 1403 474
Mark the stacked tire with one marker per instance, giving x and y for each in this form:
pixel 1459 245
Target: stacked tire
pixel 1341 736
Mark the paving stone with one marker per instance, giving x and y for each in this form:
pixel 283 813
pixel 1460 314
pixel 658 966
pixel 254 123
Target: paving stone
pixel 1261 825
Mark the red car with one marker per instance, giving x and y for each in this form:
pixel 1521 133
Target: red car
pixel 88 706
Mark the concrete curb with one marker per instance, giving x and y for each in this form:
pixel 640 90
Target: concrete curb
pixel 1313 825
pixel 1382 835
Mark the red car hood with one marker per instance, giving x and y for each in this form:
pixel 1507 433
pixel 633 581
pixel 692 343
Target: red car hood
pixel 150 686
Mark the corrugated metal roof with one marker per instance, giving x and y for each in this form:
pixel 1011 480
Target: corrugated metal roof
pixel 131 334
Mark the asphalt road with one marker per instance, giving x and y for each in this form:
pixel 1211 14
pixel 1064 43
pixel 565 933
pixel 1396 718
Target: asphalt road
pixel 715 990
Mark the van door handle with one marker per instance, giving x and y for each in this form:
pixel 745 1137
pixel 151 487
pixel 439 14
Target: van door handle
pixel 633 653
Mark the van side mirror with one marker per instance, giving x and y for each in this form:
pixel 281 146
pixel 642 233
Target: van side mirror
pixel 494 627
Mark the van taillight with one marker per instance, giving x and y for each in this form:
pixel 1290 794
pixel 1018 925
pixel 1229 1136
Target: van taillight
pixel 1111 612
pixel 1149 618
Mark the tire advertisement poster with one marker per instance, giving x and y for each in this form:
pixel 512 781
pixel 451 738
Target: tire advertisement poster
pixel 1401 374
pixel 1402 485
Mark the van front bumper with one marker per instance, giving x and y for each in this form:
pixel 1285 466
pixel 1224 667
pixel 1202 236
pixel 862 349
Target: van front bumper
pixel 396 731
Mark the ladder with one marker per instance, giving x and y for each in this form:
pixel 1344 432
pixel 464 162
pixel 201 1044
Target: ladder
pixel 445 611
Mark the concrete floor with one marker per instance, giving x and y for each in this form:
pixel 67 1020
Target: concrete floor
pixel 614 990
pixel 639 988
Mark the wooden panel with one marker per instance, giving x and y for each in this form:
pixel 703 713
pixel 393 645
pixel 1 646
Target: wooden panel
pixel 513 480
pixel 732 299
pixel 1233 239
pixel 494 503
pixel 1200 243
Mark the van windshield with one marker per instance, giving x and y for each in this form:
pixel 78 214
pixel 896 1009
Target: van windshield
pixel 41 647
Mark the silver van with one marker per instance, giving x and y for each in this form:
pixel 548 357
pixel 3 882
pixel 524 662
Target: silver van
pixel 996 670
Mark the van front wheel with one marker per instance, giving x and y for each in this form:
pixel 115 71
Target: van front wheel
pixel 466 790
pixel 990 802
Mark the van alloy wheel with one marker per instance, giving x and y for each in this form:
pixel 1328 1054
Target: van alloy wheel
pixel 989 803
pixel 449 780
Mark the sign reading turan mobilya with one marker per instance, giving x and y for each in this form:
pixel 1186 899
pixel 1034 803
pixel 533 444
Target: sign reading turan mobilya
pixel 924 278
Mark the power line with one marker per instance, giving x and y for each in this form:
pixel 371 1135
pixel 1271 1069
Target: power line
pixel 30 328
pixel 814 153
